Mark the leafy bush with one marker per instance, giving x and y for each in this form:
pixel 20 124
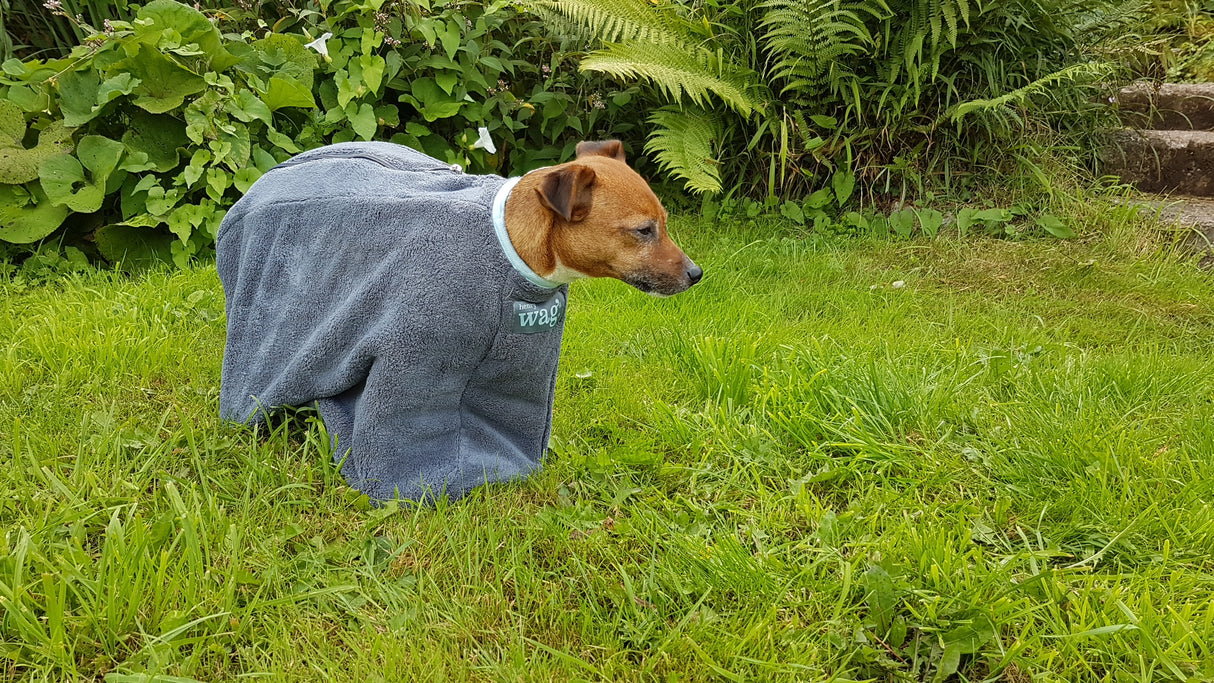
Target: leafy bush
pixel 134 145
pixel 460 66
pixel 1176 42
pixel 111 122
pixel 773 96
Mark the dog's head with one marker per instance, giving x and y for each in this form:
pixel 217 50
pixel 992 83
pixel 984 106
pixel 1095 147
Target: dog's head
pixel 608 223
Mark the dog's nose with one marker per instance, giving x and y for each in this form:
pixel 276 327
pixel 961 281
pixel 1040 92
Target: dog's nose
pixel 694 273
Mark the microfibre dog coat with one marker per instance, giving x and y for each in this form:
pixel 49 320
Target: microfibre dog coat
pixel 379 285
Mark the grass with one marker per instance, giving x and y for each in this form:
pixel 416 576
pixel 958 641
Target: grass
pixel 795 471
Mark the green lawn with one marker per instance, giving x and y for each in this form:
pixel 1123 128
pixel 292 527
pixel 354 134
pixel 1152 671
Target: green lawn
pixel 795 471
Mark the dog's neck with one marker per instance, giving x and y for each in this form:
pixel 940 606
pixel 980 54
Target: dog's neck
pixel 529 225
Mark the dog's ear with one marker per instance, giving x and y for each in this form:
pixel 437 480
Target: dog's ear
pixel 568 191
pixel 613 149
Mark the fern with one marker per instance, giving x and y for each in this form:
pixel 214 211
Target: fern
pixel 614 21
pixel 927 31
pixel 1021 95
pixel 1096 24
pixel 808 38
pixel 879 79
pixel 562 27
pixel 683 144
pixel 679 71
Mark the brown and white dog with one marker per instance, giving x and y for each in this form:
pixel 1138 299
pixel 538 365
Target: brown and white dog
pixel 430 339
pixel 596 217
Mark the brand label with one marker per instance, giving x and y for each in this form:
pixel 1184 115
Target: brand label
pixel 529 318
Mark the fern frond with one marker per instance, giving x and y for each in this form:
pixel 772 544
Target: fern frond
pixel 683 143
pixel 809 39
pixel 614 21
pixel 1021 95
pixel 953 10
pixel 679 71
pixel 1098 24
pixel 558 25
pixel 928 31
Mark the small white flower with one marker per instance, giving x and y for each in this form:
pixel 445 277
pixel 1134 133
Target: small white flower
pixel 898 284
pixel 483 141
pixel 319 44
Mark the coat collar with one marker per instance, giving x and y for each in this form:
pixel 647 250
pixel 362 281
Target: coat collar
pixel 503 237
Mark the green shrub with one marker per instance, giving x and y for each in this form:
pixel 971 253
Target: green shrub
pixel 112 122
pixel 134 145
pixel 1176 43
pixel 772 96
pixel 460 66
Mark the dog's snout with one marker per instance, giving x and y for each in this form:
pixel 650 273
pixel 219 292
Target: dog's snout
pixel 694 273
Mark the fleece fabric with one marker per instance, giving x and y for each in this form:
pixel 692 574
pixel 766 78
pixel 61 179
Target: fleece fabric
pixel 368 279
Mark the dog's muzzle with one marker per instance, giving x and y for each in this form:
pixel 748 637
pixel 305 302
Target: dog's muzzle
pixel 665 284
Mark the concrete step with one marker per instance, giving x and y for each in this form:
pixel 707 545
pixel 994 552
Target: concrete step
pixel 1196 213
pixel 1165 161
pixel 1194 216
pixel 1167 106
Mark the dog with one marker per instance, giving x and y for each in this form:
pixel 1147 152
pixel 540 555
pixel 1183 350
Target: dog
pixel 421 309
pixel 596 217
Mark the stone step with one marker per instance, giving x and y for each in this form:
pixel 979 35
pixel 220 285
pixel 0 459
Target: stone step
pixel 1194 215
pixel 1167 106
pixel 1166 161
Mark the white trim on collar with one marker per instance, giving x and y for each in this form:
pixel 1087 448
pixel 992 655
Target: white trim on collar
pixel 503 237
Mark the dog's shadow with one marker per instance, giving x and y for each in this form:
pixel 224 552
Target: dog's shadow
pixel 287 422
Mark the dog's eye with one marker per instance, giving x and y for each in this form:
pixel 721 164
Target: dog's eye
pixel 646 231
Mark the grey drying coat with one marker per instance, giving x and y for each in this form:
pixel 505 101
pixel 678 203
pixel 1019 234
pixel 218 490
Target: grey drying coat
pixel 369 279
